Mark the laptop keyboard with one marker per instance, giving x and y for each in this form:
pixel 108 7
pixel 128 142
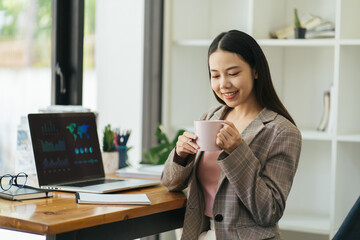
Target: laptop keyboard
pixel 95 182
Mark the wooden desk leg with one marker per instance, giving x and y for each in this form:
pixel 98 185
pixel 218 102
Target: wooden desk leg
pixel 128 229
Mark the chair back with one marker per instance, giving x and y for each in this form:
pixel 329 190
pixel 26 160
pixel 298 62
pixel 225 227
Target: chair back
pixel 350 228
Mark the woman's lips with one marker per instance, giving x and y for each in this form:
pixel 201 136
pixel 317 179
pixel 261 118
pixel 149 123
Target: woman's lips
pixel 230 95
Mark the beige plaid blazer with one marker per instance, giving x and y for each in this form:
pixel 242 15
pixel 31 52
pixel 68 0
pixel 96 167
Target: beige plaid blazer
pixel 254 183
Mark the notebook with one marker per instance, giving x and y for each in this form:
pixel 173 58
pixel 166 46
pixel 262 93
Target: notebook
pixel 68 157
pixel 95 198
pixel 27 192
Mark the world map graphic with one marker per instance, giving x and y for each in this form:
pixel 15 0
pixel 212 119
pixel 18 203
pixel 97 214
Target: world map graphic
pixel 78 130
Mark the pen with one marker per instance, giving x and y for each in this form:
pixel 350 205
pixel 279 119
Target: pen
pixel 122 138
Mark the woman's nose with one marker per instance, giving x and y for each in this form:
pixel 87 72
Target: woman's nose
pixel 224 83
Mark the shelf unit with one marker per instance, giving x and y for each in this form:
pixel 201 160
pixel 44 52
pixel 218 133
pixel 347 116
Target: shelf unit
pixel 325 186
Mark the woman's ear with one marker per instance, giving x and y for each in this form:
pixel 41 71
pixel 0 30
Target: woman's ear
pixel 255 74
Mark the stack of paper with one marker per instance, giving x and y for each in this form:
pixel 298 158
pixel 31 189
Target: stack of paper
pixel 142 171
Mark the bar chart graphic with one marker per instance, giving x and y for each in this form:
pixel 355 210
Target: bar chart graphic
pixel 49 146
pixel 49 128
pixel 89 161
pixel 57 163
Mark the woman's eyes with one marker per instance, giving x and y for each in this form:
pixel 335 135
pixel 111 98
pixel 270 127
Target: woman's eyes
pixel 234 74
pixel 230 74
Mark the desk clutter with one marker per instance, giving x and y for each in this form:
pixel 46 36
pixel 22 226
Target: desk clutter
pixel 116 140
pixel 14 188
pixel 61 217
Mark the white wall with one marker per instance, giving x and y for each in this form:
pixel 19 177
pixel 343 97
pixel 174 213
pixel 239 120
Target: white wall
pixel 119 41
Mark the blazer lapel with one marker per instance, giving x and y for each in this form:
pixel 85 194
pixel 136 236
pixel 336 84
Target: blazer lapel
pixel 255 127
pixel 252 130
pixel 219 114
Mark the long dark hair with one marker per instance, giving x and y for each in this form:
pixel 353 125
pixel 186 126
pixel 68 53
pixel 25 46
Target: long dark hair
pixel 249 50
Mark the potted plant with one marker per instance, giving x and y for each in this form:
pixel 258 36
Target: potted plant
pixel 108 139
pixel 110 155
pixel 158 154
pixel 298 30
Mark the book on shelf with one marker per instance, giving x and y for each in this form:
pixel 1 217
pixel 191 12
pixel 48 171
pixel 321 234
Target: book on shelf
pixel 98 198
pixel 316 27
pixel 141 171
pixel 320 34
pixel 326 112
pixel 15 193
pixel 330 126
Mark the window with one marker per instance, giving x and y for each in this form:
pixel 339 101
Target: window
pixel 25 75
pixel 111 64
pixel 89 65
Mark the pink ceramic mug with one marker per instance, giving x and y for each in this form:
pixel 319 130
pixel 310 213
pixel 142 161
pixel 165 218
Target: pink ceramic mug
pixel 206 131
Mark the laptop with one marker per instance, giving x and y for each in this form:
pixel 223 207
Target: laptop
pixel 68 157
pixel 350 228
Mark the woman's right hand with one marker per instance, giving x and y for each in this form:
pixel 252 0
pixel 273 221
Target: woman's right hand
pixel 186 145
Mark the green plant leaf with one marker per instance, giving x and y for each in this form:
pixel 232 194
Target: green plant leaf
pixel 160 134
pixel 158 148
pixel 149 157
pixel 296 19
pixel 159 153
pixel 163 157
pixel 154 160
pixel 127 155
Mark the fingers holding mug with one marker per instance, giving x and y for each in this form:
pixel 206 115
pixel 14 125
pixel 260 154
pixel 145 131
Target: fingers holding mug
pixel 191 139
pixel 186 144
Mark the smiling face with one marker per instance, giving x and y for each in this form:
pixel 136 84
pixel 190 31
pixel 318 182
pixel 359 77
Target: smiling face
pixel 232 79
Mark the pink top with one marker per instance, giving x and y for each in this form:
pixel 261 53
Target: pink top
pixel 208 173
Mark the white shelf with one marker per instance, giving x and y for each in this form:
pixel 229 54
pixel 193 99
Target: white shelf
pixel 302 70
pixel 349 138
pixel 267 42
pixel 297 42
pixel 305 223
pixel 316 135
pixel 350 42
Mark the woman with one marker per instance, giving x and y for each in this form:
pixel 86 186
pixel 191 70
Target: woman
pixel 239 192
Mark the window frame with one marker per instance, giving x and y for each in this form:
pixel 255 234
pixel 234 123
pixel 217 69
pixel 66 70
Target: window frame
pixel 67 52
pixel 153 69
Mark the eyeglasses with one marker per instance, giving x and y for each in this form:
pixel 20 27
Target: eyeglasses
pixel 8 180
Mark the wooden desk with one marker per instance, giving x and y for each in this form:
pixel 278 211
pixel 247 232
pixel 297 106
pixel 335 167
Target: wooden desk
pixel 60 217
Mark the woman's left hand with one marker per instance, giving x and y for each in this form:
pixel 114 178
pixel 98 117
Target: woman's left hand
pixel 229 137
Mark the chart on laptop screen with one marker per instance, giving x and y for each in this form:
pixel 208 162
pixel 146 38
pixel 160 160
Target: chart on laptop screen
pixel 65 145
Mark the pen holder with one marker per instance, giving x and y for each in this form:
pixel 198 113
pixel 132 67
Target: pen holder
pixel 122 156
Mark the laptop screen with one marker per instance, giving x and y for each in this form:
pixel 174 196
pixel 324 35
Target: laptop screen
pixel 66 147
